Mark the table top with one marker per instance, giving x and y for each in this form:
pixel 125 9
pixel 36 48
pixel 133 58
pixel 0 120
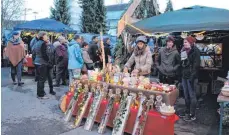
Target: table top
pixel 210 69
pixel 222 98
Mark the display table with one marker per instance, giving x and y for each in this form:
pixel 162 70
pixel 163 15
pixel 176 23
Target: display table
pixel 168 98
pixel 155 124
pixel 222 100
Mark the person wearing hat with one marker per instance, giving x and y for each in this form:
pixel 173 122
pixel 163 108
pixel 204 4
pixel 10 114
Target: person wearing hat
pixel 75 59
pixel 42 52
pixel 142 58
pixel 15 51
pixel 168 62
pixel 61 60
pixel 190 63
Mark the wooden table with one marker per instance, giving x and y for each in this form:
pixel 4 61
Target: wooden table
pixel 222 100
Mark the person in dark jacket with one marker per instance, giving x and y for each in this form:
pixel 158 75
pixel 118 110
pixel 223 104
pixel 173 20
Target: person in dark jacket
pixel 190 63
pixel 42 59
pixel 61 55
pixel 94 50
pixel 107 49
pixel 168 62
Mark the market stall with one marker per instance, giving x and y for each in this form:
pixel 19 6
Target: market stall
pixel 30 28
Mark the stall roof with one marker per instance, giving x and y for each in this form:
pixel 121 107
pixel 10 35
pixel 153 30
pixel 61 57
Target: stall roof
pixel 196 18
pixel 44 24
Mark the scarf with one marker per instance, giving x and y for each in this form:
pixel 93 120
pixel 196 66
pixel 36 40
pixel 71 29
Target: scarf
pixel 186 49
pixel 16 41
pixel 138 51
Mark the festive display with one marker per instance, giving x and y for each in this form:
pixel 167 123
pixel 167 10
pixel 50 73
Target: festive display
pixel 107 112
pixel 122 114
pixel 140 113
pixel 72 104
pixel 82 107
pixel 167 110
pixel 98 96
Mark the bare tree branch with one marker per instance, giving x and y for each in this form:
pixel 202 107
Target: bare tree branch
pixel 11 10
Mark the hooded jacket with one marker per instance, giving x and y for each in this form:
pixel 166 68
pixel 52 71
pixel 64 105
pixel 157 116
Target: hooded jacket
pixel 191 65
pixel 168 61
pixel 143 61
pixel 75 59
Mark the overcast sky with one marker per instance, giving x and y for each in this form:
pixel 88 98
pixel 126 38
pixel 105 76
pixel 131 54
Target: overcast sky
pixel 43 6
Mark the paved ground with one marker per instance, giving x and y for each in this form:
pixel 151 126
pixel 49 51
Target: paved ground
pixel 24 114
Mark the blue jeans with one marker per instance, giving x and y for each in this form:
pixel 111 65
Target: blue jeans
pixel 16 70
pixel 189 87
pixel 74 74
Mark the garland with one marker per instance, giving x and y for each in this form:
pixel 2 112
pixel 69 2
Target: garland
pixel 146 105
pixel 122 115
pixel 82 107
pixel 106 115
pixel 72 104
pixel 93 110
pixel 141 113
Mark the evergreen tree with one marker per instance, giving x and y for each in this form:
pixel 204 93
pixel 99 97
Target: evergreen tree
pixel 146 9
pixel 93 18
pixel 60 11
pixel 169 6
pixel 100 17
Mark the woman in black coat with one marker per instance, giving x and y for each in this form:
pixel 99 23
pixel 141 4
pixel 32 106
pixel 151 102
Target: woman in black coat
pixel 190 63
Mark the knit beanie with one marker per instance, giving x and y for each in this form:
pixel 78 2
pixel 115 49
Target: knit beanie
pixel 191 40
pixel 170 38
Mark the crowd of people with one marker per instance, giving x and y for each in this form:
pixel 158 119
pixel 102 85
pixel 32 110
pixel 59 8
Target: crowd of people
pixel 76 57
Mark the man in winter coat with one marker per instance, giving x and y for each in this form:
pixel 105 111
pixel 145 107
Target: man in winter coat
pixel 75 59
pixel 107 49
pixel 94 49
pixel 168 62
pixel 32 43
pixel 61 58
pixel 43 52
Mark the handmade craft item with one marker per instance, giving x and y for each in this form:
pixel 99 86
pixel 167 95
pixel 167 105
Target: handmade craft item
pixel 72 104
pixel 141 114
pixel 122 116
pixel 98 96
pixel 107 112
pixel 82 107
pixel 158 102
pixel 146 106
pixel 117 95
